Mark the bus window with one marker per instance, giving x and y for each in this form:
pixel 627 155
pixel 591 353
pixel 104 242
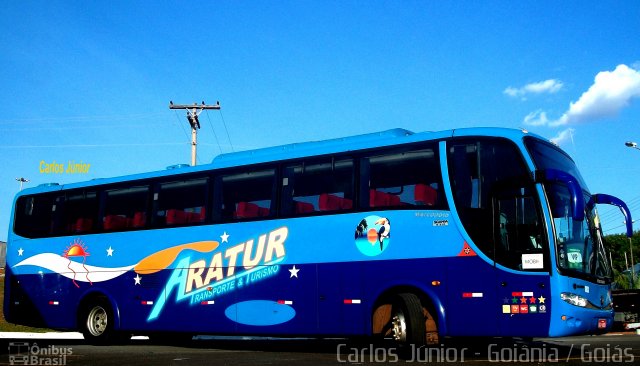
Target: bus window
pixel 247 195
pixel 575 251
pixel 80 211
pixel 520 239
pixel 405 179
pixel 182 202
pixel 477 168
pixel 321 186
pixel 34 216
pixel 126 208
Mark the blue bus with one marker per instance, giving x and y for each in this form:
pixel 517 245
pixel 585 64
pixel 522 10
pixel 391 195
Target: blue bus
pixel 409 236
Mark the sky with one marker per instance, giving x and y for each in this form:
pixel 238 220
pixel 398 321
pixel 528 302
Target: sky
pixel 90 82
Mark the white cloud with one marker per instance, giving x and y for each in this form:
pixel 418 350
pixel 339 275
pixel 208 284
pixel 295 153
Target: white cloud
pixel 611 91
pixel 550 86
pixel 563 136
pixel 537 118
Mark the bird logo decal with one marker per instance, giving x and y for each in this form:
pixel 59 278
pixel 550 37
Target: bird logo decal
pixel 383 231
pixel 372 235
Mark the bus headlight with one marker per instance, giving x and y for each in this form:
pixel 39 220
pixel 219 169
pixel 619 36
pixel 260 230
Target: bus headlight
pixel 574 299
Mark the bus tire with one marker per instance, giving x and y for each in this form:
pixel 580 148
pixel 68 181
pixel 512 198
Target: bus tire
pixel 408 320
pixel 96 322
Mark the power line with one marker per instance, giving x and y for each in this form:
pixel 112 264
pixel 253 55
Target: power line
pixel 617 227
pixel 613 213
pixel 134 116
pixel 88 145
pixel 181 126
pixel 77 127
pixel 214 132
pixel 225 128
pixel 632 202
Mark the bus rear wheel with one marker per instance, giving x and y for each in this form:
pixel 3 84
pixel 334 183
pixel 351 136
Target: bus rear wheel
pixel 407 320
pixel 97 322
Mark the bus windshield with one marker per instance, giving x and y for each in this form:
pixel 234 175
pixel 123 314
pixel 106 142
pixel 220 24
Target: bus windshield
pixel 580 251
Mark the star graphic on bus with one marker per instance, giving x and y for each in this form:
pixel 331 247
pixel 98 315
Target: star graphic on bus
pixel 137 279
pixel 294 271
pixel 110 252
pixel 541 299
pixel 225 237
pixel 20 251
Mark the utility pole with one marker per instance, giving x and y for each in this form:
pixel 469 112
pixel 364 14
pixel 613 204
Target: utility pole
pixel 633 271
pixel 193 111
pixel 22 180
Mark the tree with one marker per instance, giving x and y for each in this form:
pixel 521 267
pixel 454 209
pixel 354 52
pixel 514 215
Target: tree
pixel 618 245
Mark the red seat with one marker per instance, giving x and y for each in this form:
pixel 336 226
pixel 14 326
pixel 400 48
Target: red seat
pixel 425 195
pixel 139 219
pixel 393 200
pixel 303 207
pixel 346 203
pixel 114 222
pixel 176 217
pixel 382 199
pixel 247 210
pixel 263 211
pixel 195 217
pixel 330 202
pixel 83 225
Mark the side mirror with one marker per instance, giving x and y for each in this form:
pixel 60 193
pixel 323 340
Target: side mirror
pixel 606 199
pixel 577 198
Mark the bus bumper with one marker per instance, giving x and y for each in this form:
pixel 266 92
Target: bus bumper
pixel 570 320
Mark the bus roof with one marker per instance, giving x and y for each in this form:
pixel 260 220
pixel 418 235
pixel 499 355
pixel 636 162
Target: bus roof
pixel 309 148
pixel 297 150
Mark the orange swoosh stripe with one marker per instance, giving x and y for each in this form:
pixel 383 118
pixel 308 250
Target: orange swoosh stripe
pixel 162 259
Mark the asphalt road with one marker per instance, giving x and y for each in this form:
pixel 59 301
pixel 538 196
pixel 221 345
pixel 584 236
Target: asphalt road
pixel 597 350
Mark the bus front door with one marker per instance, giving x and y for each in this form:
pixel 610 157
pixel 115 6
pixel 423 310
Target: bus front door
pixel 522 262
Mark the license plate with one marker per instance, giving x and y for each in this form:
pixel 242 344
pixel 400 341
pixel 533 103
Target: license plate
pixel 602 323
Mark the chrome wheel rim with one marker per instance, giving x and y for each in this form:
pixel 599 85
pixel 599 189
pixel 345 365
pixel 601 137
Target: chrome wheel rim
pixel 97 321
pixel 399 327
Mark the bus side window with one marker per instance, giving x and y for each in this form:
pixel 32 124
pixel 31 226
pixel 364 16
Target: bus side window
pixel 80 212
pixel 126 208
pixel 181 203
pixel 404 179
pixel 322 186
pixel 247 195
pixel 35 216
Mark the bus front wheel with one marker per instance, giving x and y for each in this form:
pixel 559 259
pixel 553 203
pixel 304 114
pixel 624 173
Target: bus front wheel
pixel 407 320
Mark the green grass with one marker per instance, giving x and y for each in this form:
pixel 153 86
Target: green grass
pixel 9 327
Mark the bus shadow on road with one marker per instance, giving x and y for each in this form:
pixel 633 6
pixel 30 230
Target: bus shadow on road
pixel 472 348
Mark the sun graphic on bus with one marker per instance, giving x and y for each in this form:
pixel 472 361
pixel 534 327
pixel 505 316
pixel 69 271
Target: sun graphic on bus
pixel 373 235
pixel 77 249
